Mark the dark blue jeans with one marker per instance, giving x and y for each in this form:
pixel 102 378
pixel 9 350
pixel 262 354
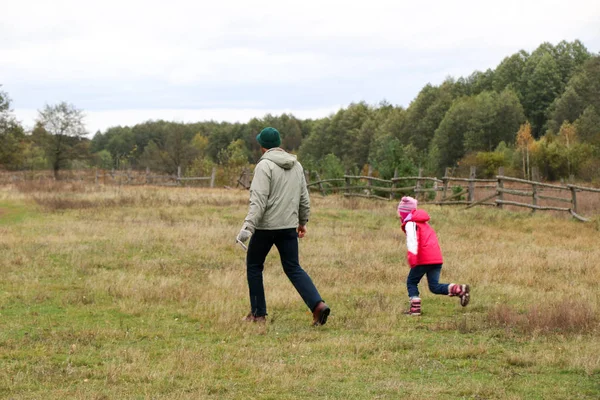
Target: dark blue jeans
pixel 433 276
pixel 286 241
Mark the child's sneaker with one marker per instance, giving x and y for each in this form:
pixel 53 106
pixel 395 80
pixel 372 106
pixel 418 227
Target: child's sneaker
pixel 415 307
pixel 462 291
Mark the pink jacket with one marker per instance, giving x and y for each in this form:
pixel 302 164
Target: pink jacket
pixel 421 240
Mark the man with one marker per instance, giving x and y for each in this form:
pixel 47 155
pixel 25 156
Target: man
pixel 278 213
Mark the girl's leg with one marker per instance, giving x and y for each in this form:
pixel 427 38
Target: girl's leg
pixel 412 281
pixel 462 291
pixel 433 279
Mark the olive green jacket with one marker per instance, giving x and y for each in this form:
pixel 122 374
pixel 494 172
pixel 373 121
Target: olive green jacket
pixel 278 194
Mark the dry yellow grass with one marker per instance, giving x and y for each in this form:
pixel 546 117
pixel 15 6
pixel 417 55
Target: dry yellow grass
pixel 137 292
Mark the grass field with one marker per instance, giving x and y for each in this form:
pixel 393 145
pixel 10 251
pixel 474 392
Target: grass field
pixel 114 292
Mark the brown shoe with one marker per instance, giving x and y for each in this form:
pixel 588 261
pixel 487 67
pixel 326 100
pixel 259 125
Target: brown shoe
pixel 252 318
pixel 320 314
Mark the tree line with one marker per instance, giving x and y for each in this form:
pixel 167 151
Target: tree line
pixel 537 109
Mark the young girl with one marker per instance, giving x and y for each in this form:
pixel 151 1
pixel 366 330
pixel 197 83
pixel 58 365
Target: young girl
pixel 424 256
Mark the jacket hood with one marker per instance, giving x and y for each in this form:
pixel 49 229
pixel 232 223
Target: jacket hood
pixel 420 215
pixel 282 158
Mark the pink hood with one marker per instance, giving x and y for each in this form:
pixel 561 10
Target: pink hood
pixel 419 216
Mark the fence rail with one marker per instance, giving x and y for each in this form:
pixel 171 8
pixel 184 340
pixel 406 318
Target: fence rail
pixel 448 190
pixel 119 177
pixel 444 191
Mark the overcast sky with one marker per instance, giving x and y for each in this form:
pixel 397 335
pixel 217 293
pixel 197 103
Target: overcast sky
pixel 124 62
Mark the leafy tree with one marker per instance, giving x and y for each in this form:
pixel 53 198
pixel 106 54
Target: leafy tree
pixel 588 126
pixel 569 57
pixel 509 116
pixel 103 159
pixel 156 159
pixel 524 143
pixel 34 157
pixel 121 145
pixel 481 81
pixel 508 73
pixel 219 137
pixel 448 142
pixel 487 162
pixel 200 143
pixel 12 144
pixel 288 126
pixel 98 142
pixel 476 123
pixel 344 134
pixel 562 155
pixel 235 154
pixel 331 167
pixel 170 149
pixel 567 107
pixel 425 113
pixel 388 155
pixel 582 91
pixel 542 84
pixel 12 136
pixel 233 159
pixel 491 161
pixel 65 130
pixel 569 135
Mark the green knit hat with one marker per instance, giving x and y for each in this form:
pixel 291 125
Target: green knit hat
pixel 269 138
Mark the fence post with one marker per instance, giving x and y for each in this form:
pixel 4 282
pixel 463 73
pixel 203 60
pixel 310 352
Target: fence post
pixel 534 190
pixel 446 181
pixel 179 175
pixel 213 176
pixel 96 176
pixel 129 175
pixel 369 173
pixel 418 185
pixel 320 184
pixel 574 199
pixel 472 176
pixel 347 189
pixel 147 175
pixel 393 184
pixel 500 186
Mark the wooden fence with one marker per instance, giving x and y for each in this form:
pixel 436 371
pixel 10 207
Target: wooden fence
pixel 150 179
pixel 115 177
pixel 456 191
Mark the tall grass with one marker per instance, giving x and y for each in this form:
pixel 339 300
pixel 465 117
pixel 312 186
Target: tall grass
pixel 132 292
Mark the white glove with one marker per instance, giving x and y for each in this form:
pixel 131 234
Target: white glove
pixel 244 235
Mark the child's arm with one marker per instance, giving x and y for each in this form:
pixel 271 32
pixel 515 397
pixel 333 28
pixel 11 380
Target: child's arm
pixel 412 243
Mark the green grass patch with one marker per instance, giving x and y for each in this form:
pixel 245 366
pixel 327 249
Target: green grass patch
pixel 15 212
pixel 145 301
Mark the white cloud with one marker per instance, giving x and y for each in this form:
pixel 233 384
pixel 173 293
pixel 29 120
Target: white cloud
pixel 96 52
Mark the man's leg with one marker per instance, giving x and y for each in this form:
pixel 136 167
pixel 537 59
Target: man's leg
pixel 260 244
pixel 286 241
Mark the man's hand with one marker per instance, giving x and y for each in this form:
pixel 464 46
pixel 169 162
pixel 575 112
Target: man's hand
pixel 244 235
pixel 301 231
